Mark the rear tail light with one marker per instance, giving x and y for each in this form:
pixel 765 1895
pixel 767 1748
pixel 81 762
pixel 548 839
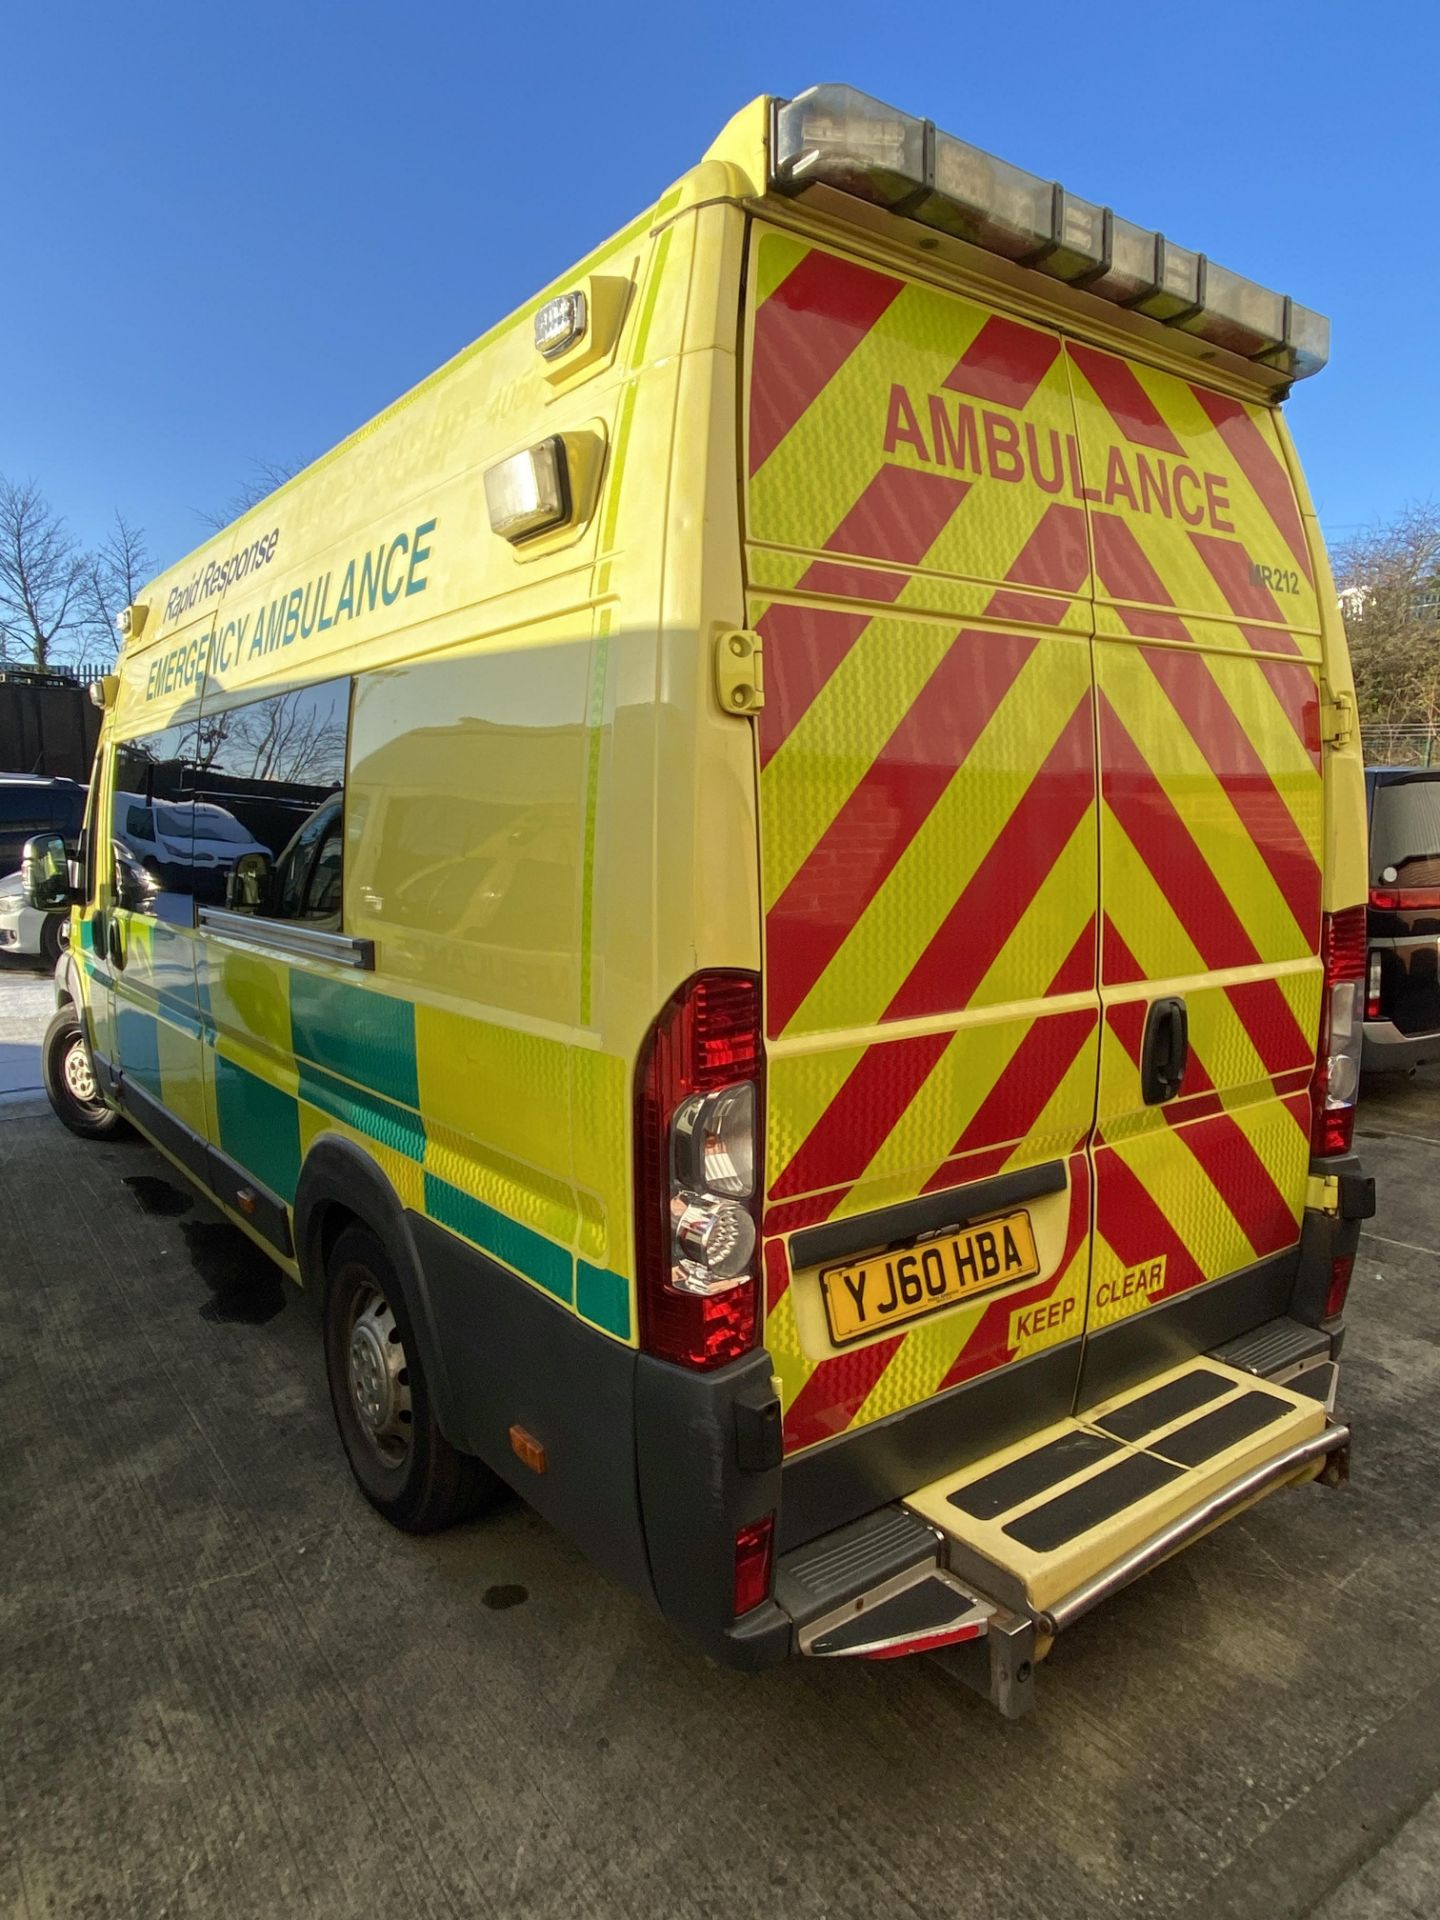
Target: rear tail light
pixel 754 1554
pixel 1342 1013
pixel 1372 987
pixel 1404 899
pixel 699 1109
pixel 1341 1268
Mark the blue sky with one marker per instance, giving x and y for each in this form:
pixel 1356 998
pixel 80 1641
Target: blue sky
pixel 234 233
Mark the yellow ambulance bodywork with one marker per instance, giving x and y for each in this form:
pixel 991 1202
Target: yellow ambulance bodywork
pixel 1034 746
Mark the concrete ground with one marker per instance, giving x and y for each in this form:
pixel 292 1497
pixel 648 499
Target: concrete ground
pixel 26 1002
pixel 230 1689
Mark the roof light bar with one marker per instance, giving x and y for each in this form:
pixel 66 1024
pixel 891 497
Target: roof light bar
pixel 837 137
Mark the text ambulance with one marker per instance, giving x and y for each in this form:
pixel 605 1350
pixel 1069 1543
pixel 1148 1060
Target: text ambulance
pixel 780 925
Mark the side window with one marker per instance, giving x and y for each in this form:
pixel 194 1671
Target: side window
pixel 275 768
pixel 153 826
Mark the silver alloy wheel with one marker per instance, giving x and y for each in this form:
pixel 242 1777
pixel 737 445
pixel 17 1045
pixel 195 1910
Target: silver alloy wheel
pixel 379 1376
pixel 79 1074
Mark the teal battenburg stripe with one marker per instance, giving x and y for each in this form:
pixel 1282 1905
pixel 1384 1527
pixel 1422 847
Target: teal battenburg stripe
pixel 137 1040
pixel 520 1247
pixel 364 1036
pixel 259 1126
pixel 179 1014
pixel 603 1297
pixel 393 1126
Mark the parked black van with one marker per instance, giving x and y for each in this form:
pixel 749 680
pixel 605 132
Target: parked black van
pixel 31 804
pixel 1402 987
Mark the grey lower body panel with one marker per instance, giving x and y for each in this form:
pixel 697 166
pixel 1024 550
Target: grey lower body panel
pixel 515 1358
pixel 644 1463
pixel 1385 1049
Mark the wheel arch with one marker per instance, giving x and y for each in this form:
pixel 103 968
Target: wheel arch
pixel 67 985
pixel 342 1185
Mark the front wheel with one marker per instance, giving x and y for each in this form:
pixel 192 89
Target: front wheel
pixel 69 1075
pixel 406 1468
pixel 52 930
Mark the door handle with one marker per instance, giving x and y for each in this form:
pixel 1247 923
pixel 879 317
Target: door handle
pixel 1166 1051
pixel 114 945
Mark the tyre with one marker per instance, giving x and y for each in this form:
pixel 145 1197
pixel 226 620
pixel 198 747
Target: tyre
pixel 406 1468
pixel 52 931
pixel 70 1082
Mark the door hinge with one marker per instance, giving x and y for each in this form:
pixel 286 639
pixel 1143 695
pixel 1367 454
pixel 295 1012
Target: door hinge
pixel 1337 718
pixel 740 671
pixel 1322 1193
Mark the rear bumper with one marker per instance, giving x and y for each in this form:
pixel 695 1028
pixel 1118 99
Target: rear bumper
pixel 853 1591
pixel 655 1469
pixel 1387 1050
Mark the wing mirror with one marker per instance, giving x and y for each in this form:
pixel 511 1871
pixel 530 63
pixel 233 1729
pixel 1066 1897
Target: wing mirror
pixel 45 874
pixel 247 885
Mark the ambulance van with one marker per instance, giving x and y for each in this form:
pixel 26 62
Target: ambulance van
pixel 781 930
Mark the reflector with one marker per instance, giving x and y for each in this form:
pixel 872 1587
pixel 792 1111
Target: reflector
pixel 754 1553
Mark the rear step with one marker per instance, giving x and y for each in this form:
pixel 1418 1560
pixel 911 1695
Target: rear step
pixel 1010 1550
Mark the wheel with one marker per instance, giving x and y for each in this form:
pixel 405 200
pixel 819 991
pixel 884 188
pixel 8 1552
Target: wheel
pixel 406 1468
pixel 70 1082
pixel 52 932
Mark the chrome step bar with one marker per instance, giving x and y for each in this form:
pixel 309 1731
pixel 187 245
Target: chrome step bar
pixel 994 1652
pixel 1333 1445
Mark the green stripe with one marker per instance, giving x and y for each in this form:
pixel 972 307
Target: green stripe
pixel 519 1247
pixel 593 744
pixel 393 1126
pixel 177 1013
pixel 603 1297
pixel 617 468
pixel 364 1036
pixel 652 294
pixel 137 1042
pixel 259 1126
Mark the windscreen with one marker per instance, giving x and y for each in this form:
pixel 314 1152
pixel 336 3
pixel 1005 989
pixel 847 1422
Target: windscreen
pixel 1405 831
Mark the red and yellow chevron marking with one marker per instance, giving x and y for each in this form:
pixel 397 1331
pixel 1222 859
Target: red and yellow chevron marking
pixel 825 1397
pixel 944 509
pixel 1191 508
pixel 1210 855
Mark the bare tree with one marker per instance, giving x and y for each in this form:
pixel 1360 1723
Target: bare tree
pixel 42 577
pixel 115 574
pixel 266 476
pixel 288 739
pixel 1389 578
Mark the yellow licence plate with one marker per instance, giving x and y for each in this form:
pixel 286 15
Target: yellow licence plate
pixel 872 1295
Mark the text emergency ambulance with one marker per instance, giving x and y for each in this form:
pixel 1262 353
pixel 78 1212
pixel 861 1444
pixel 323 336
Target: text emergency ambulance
pixel 799 996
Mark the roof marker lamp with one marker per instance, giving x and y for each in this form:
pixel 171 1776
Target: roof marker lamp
pixel 530 492
pixel 559 324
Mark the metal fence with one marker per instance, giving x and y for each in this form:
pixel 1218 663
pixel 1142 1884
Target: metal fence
pixel 1411 745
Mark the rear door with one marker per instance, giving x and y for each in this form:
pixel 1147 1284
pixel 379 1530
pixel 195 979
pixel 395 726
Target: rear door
pixel 1207 657
pixel 918 566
